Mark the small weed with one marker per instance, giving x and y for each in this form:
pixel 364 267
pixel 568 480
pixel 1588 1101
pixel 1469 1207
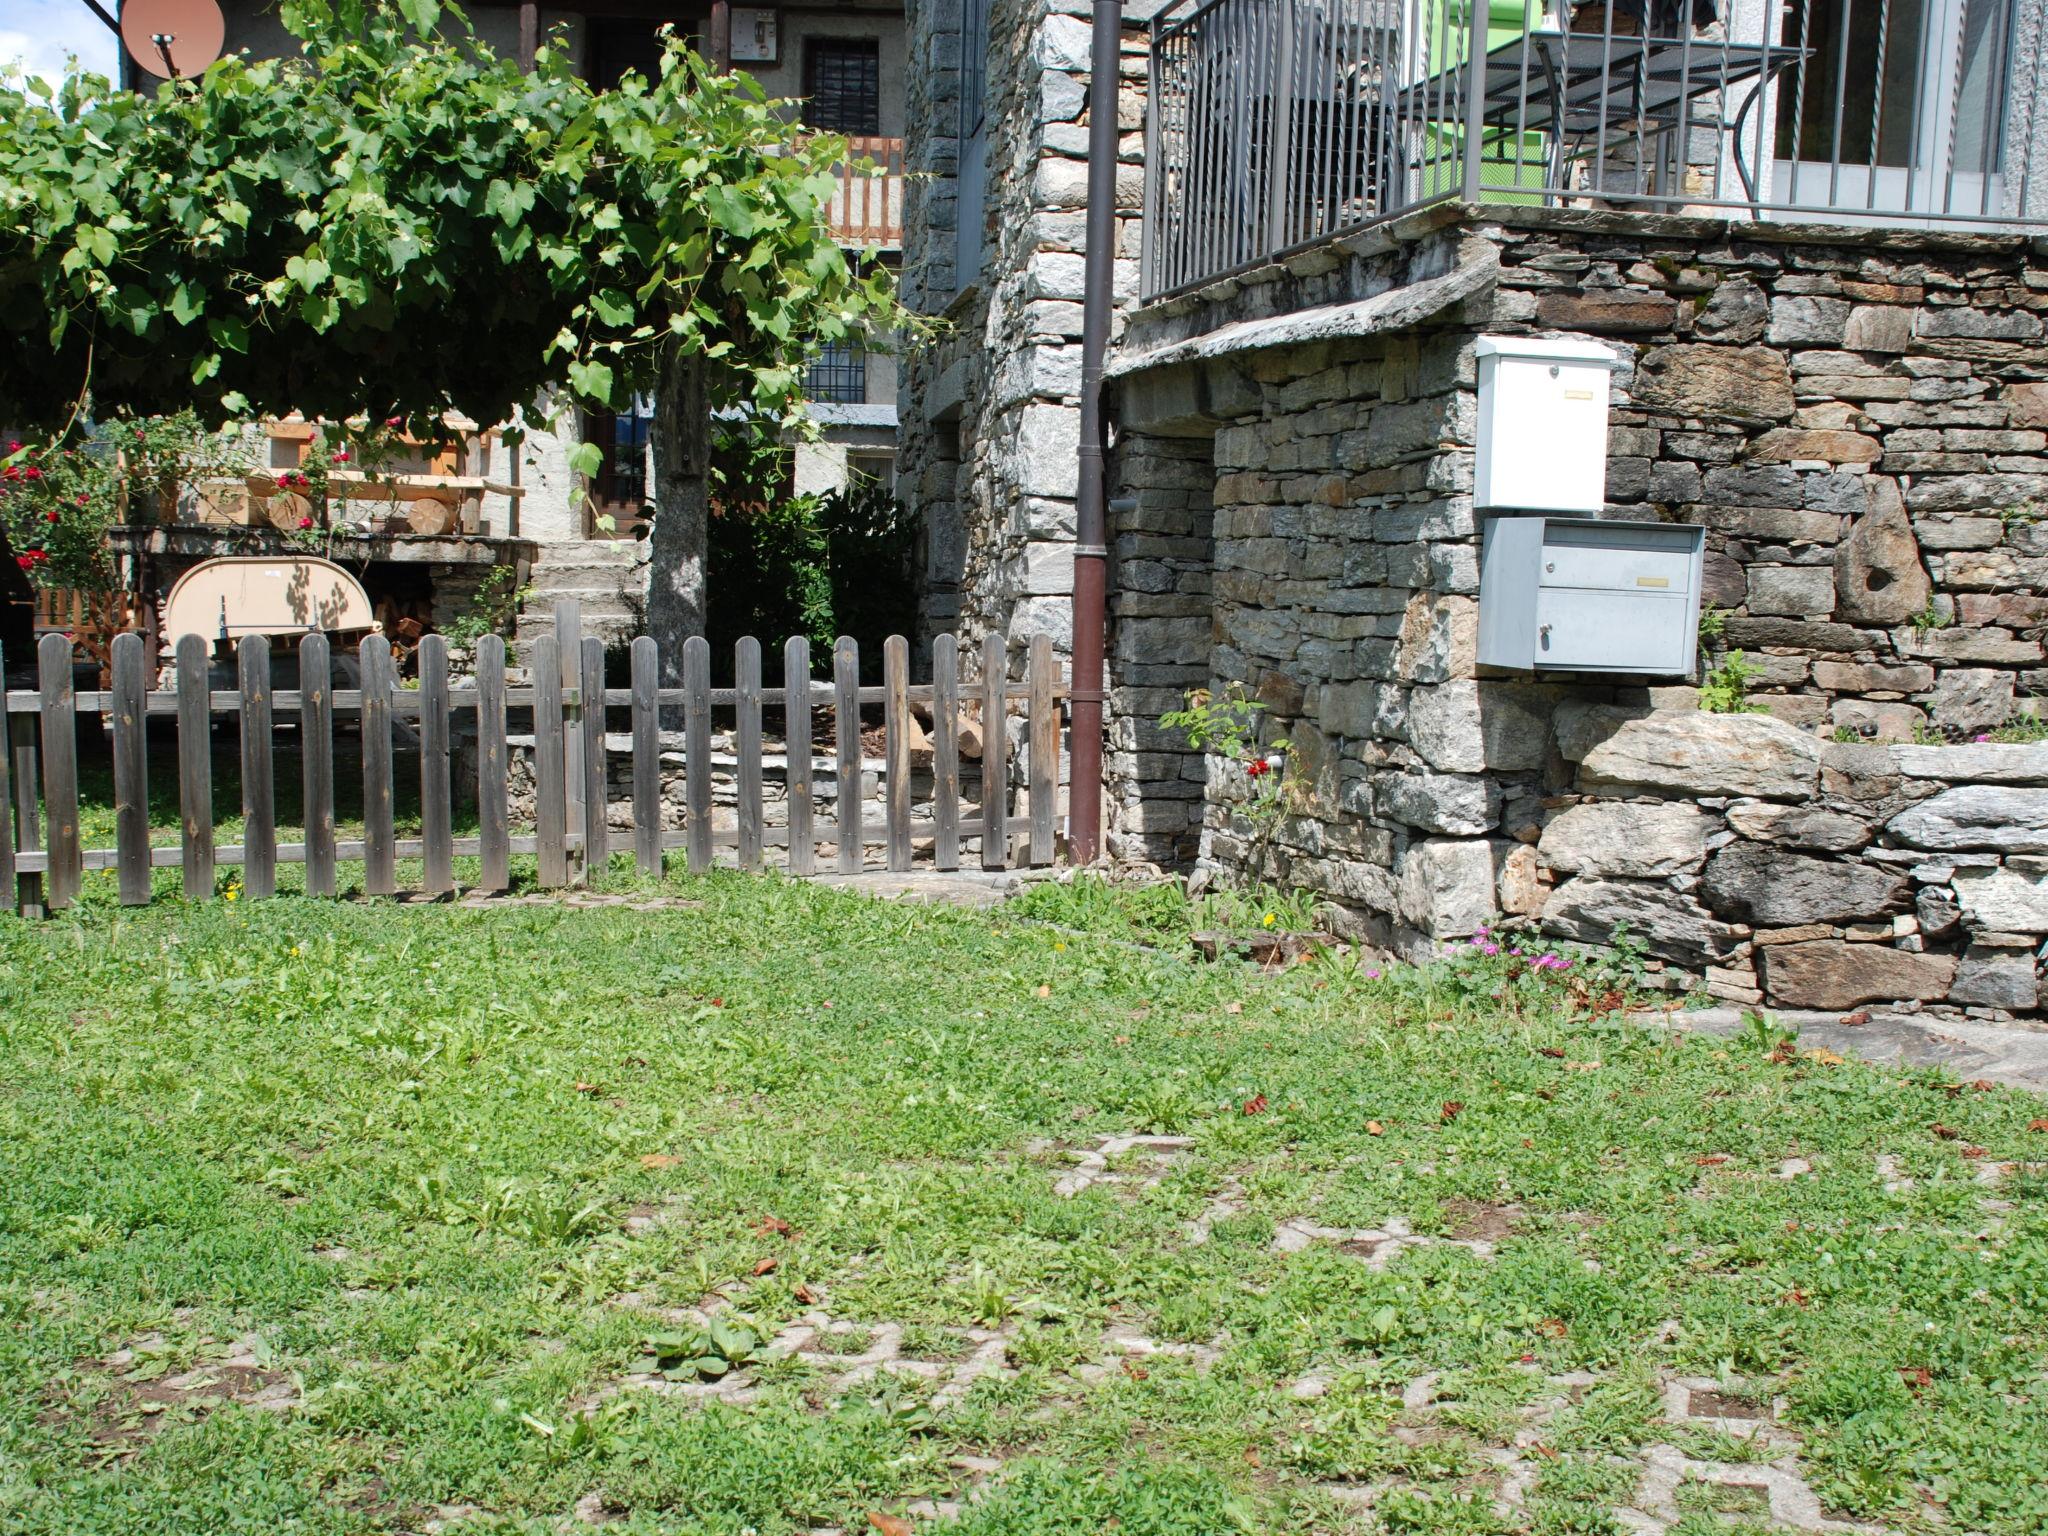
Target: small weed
pixel 708 1353
pixel 1724 690
pixel 1938 614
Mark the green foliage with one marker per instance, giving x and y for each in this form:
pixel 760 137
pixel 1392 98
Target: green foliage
pixel 1936 615
pixel 492 611
pixel 707 1353
pixel 395 1146
pixel 399 220
pixel 59 498
pixel 1724 690
pixel 818 566
pixel 1228 727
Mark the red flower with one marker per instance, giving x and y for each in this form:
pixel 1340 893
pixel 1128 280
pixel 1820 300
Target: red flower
pixel 305 522
pixel 83 499
pixel 394 421
pixel 1255 1105
pixel 1257 766
pixel 49 517
pixel 341 457
pixel 32 473
pixel 15 446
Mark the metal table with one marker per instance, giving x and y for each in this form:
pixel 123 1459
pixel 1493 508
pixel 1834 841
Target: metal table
pixel 1572 86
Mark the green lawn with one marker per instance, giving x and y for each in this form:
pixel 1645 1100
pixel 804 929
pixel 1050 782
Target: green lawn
pixel 351 1218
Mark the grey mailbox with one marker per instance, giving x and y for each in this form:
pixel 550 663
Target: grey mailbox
pixel 1577 594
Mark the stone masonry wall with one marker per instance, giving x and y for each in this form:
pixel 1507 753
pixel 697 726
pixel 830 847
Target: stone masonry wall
pixel 1846 412
pixel 990 413
pixel 1861 426
pixel 1766 866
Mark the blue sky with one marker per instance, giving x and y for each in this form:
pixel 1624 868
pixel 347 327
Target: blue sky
pixel 37 34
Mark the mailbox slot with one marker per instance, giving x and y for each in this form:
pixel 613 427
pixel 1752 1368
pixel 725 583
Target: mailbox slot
pixel 1584 595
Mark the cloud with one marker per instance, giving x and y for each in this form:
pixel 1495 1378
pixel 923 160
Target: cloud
pixel 39 35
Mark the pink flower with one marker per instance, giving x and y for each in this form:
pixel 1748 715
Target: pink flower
pixel 1985 737
pixel 305 522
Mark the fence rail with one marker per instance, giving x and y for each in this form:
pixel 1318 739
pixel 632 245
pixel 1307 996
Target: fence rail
pixel 1275 123
pixel 571 759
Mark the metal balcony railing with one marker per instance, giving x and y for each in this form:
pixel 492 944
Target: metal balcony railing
pixel 1276 123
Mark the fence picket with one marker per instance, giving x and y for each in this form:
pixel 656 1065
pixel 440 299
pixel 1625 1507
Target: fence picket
pixel 646 659
pixel 493 813
pixel 316 746
pixel 945 752
pixel 747 684
pixel 896 745
pixel 380 840
pixel 597 851
pixel 1044 764
pixel 995 740
pixel 796 737
pixel 7 872
pixel 19 742
pixel 131 769
pixel 846 752
pixel 195 766
pixel 550 765
pixel 60 768
pixel 259 790
pixel 437 809
pixel 569 656
pixel 697 752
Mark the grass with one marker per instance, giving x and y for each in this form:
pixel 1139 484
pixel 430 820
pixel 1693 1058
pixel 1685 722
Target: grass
pixel 386 1162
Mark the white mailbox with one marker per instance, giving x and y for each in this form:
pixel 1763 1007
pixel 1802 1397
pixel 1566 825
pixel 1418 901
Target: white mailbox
pixel 1576 594
pixel 1542 424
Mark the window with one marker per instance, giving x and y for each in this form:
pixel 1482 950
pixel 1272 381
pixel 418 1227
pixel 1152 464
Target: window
pixel 839 374
pixel 843 84
pixel 973 65
pixel 877 469
pixel 620 485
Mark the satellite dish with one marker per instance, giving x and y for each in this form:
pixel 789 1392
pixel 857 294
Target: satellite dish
pixel 172 39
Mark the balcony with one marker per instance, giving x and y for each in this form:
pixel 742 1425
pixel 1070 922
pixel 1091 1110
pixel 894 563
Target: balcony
pixel 867 205
pixel 1275 124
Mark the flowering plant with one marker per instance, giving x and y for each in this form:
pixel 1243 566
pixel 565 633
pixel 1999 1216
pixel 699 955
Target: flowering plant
pixel 1227 726
pixel 60 499
pixel 314 511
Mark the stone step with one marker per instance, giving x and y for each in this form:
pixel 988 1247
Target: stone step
pixel 589 555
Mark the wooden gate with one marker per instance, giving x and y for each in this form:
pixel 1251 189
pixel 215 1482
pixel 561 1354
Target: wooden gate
pixel 577 776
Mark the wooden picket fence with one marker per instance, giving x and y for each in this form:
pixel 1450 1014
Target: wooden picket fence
pixel 42 861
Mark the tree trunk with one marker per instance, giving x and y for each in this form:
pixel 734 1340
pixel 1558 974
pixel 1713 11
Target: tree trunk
pixel 682 505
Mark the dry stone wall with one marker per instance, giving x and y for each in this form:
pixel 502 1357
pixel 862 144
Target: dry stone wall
pixel 1766 866
pixel 1861 424
pixel 1855 417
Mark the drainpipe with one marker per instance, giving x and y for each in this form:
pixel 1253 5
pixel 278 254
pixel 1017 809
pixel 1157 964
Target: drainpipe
pixel 1091 554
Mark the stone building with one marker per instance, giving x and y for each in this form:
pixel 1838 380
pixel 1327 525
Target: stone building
pixel 1828 355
